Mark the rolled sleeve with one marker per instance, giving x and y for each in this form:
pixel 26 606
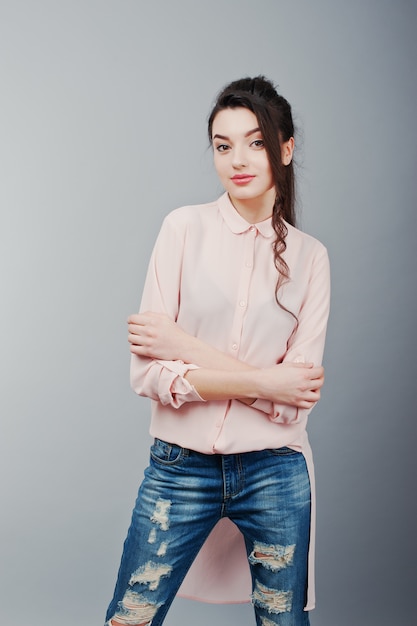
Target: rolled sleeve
pixel 276 412
pixel 163 381
pixel 173 388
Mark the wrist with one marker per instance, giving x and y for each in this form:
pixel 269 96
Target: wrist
pixel 250 381
pixel 257 383
pixel 190 349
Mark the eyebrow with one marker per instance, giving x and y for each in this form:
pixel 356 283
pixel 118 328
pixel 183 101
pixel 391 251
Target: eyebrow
pixel 250 132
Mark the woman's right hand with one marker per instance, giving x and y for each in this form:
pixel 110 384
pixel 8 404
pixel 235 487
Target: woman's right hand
pixel 295 384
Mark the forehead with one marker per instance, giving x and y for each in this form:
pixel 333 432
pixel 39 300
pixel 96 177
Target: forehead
pixel 237 121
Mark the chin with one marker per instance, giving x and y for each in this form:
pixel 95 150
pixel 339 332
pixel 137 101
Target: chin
pixel 243 193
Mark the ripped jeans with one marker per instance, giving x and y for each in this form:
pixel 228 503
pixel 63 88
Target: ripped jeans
pixel 182 497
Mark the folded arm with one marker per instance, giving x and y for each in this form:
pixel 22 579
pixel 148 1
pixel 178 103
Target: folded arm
pixel 220 376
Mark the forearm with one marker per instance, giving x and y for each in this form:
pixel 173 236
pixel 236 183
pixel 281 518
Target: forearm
pixel 227 384
pixel 217 387
pixel 295 385
pixel 205 356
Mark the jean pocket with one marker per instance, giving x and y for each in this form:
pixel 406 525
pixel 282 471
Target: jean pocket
pixel 167 453
pixel 284 451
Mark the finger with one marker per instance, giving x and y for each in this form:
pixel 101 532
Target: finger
pixel 316 373
pixel 317 382
pixel 315 385
pixel 142 319
pixel 139 350
pixel 132 318
pixel 310 401
pixel 304 404
pixel 133 339
pixel 314 395
pixel 142 324
pixel 138 340
pixel 135 329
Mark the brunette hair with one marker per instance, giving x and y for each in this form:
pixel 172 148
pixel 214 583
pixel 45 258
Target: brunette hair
pixel 274 116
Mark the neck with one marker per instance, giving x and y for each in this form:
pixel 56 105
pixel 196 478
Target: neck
pixel 255 210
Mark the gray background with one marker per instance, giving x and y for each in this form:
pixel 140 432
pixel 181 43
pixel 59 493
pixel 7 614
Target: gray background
pixel 102 132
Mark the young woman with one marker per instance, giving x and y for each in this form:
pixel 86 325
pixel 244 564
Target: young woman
pixel 228 346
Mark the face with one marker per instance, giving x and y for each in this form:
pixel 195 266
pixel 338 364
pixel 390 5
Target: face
pixel 242 164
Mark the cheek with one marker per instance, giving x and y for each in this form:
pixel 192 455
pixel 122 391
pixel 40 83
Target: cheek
pixel 219 166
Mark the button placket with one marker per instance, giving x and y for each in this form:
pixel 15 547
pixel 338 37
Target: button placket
pixel 244 284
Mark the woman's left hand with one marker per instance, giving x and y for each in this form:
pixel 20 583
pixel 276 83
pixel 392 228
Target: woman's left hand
pixel 157 336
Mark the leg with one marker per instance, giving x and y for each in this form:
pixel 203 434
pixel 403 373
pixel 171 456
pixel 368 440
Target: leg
pixel 177 506
pixel 274 516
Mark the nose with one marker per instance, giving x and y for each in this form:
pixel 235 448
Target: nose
pixel 239 158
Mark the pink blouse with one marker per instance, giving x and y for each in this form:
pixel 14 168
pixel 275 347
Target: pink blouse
pixel 213 273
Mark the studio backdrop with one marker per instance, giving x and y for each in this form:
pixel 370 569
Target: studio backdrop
pixel 103 115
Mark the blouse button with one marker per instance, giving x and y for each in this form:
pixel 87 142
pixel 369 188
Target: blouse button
pixel 252 229
pixel 234 346
pixel 248 264
pixel 242 303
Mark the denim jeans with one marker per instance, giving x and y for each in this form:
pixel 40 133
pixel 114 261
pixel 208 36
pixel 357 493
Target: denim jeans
pixel 183 495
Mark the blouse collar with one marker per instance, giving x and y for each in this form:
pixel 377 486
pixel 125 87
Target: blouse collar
pixel 237 223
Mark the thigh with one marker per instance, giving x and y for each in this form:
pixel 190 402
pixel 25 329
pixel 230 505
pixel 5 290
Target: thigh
pixel 274 517
pixel 178 504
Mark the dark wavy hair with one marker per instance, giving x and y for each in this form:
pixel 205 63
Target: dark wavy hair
pixel 274 116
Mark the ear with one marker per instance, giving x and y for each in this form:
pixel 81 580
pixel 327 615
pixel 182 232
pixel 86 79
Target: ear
pixel 287 150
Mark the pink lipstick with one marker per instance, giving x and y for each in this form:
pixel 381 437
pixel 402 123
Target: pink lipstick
pixel 242 179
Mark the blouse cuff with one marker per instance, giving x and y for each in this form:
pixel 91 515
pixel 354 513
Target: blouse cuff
pixel 278 413
pixel 266 406
pixel 174 388
pixel 284 414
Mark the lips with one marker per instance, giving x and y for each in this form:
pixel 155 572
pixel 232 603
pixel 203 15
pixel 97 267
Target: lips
pixel 242 179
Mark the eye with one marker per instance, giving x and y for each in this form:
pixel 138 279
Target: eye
pixel 258 143
pixel 222 147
